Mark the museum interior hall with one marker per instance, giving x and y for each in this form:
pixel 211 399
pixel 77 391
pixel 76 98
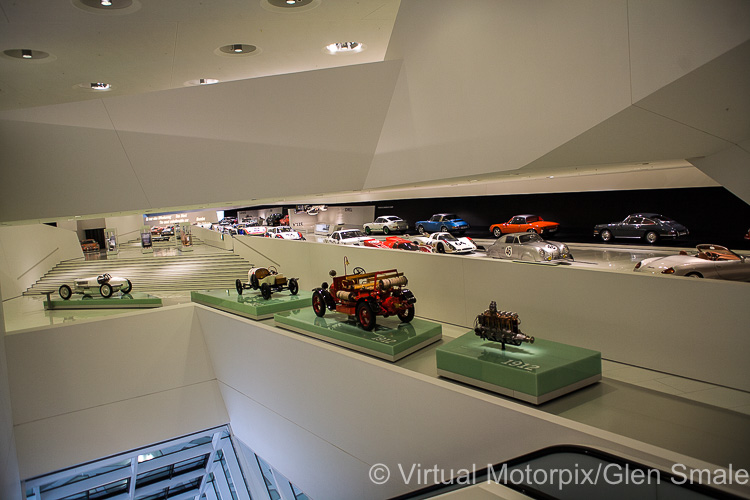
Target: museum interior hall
pixel 203 299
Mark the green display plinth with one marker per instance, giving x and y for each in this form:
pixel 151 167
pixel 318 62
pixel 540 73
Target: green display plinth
pixel 390 340
pixel 535 373
pixel 251 304
pixel 137 300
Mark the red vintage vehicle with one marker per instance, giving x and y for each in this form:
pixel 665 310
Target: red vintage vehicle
pixel 523 224
pixel 365 296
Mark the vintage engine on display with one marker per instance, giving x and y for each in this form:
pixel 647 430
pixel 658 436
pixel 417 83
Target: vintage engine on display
pixel 500 326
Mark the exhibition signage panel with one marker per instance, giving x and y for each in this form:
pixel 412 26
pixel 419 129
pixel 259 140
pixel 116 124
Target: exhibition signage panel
pixel 390 339
pixel 251 304
pixel 535 373
pixel 137 300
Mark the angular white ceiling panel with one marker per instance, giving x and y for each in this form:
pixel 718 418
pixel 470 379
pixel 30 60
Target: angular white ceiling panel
pixel 670 38
pixel 265 137
pixel 631 136
pixel 491 86
pixel 730 167
pixel 56 170
pixel 714 98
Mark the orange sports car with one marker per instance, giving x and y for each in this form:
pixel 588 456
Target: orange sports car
pixel 523 224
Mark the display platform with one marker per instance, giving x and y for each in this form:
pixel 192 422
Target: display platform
pixel 390 340
pixel 535 373
pixel 251 304
pixel 136 300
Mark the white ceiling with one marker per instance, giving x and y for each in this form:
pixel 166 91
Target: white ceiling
pixel 158 45
pixel 626 88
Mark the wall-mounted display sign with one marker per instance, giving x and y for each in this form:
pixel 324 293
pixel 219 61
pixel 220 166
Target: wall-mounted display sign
pixel 146 244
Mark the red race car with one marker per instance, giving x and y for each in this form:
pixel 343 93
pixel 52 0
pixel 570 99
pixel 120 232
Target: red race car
pixel 397 243
pixel 523 224
pixel 373 243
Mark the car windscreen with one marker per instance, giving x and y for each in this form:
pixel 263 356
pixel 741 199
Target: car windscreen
pixel 448 237
pixel 529 238
pixel 661 218
pixel 350 234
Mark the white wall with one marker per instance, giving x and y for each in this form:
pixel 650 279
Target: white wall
pixel 676 325
pixel 213 238
pixel 10 485
pixel 320 414
pixel 87 390
pixel 323 415
pixel 27 252
pixel 128 227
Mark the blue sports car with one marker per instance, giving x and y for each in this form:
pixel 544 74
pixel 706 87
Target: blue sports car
pixel 444 223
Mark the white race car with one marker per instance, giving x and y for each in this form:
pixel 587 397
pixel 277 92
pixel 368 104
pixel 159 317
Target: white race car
pixel 104 283
pixel 711 261
pixel 347 237
pixel 386 224
pixel 284 232
pixel 447 243
pixel 269 280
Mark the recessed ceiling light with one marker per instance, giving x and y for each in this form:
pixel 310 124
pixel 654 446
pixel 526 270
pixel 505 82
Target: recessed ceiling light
pixel 100 86
pixel 25 54
pixel 108 6
pixel 344 48
pixel 238 49
pixel 286 4
pixel 201 81
pixel 289 5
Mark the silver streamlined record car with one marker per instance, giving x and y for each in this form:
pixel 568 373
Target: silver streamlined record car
pixel 530 247
pixel 711 261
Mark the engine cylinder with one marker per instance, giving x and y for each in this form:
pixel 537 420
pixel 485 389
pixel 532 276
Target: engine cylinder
pixel 391 282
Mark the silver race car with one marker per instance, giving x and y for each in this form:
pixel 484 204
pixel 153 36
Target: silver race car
pixel 104 283
pixel 711 261
pixel 529 246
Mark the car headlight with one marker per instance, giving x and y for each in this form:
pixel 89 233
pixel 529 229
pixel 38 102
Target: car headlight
pixel 638 265
pixel 542 253
pixel 564 249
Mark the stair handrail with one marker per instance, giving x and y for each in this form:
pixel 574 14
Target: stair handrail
pixel 255 250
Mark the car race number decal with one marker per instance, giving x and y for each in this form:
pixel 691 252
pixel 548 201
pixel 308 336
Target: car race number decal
pixel 508 251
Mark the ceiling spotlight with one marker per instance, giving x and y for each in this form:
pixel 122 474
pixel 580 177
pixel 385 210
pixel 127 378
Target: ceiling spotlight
pixel 207 81
pixel 100 86
pixel 344 47
pixel 236 49
pixel 289 4
pixel 26 53
pixel 106 3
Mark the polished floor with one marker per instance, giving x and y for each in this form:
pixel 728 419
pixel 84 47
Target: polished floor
pixel 691 417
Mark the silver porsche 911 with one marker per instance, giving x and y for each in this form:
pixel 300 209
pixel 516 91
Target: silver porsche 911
pixel 530 247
